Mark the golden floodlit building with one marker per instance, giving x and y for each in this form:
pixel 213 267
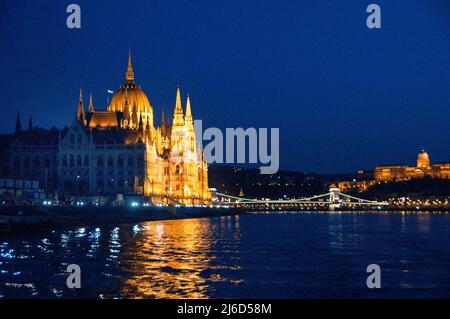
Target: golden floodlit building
pixel 398 173
pixel 120 150
pixel 422 169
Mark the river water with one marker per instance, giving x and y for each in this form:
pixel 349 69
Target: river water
pixel 258 255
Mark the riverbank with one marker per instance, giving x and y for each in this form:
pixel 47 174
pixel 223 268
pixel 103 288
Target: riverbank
pixel 390 208
pixel 62 216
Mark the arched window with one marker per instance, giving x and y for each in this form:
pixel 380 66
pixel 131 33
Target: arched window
pixel 71 161
pixel 130 161
pixel 79 160
pixel 79 138
pixel 110 161
pixel 100 161
pixel 120 161
pixel 86 160
pixel 177 169
pixel 64 161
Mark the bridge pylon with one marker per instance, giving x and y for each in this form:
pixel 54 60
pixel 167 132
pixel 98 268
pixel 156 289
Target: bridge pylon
pixel 334 199
pixel 334 194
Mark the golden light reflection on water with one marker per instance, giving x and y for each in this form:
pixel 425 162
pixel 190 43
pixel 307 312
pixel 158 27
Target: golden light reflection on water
pixel 170 259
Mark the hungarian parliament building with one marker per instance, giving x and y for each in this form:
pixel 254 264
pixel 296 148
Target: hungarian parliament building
pixel 114 151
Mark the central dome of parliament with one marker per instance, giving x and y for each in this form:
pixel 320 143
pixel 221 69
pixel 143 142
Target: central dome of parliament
pixel 132 92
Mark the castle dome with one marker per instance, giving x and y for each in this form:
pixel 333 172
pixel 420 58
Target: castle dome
pixel 423 160
pixel 132 92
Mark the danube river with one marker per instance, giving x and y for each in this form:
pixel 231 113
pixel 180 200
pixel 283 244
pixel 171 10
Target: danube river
pixel 273 255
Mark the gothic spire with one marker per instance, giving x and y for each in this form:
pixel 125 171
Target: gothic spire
pixel 80 109
pixel 91 105
pixel 178 106
pixel 188 117
pixel 178 118
pixel 141 122
pixel 80 99
pixel 130 74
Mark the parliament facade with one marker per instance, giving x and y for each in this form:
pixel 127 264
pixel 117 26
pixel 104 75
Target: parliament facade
pixel 114 151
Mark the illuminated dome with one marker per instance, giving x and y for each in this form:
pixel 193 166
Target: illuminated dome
pixel 423 160
pixel 132 92
pixel 135 96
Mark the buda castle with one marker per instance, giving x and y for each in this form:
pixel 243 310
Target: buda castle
pixel 392 173
pixel 116 151
pixel 422 169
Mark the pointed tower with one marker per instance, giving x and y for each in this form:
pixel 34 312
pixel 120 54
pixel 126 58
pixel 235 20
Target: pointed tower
pixel 177 130
pixel 178 110
pixel 188 117
pixel 141 123
pixel 18 125
pixel 129 76
pixel 189 125
pixel 140 128
pixel 91 105
pixel 80 108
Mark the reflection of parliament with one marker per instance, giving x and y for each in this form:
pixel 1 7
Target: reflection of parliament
pixel 388 173
pixel 118 150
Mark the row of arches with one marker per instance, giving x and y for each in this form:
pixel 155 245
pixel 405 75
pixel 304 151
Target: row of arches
pixel 35 162
pixel 108 161
pixel 120 161
pixel 73 161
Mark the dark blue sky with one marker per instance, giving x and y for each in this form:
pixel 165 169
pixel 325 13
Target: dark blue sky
pixel 345 97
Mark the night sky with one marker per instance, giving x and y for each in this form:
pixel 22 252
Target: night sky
pixel 344 97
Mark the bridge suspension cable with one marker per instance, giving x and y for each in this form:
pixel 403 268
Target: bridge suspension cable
pixel 332 198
